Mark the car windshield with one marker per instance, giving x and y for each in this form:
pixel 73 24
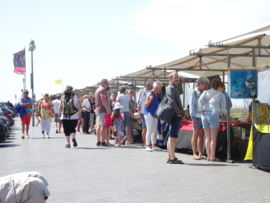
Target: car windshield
pixel 9 104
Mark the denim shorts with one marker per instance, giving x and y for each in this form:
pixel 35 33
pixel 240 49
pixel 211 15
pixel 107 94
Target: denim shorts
pixel 100 119
pixel 210 120
pixel 199 124
pixel 143 122
pixel 174 126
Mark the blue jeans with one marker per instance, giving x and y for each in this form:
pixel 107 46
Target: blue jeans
pixel 126 118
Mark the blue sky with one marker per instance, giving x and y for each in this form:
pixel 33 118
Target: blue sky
pixel 85 41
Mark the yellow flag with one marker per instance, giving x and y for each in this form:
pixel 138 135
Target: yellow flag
pixel 58 82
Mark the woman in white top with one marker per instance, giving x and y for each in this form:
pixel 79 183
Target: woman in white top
pixel 212 106
pixel 69 121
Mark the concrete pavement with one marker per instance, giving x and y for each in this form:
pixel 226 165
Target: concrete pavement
pixel 127 174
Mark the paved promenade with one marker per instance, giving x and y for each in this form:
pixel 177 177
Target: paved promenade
pixel 127 174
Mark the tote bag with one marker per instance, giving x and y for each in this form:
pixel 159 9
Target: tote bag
pixel 165 111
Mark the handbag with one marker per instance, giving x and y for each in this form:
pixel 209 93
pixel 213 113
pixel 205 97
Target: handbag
pixel 165 111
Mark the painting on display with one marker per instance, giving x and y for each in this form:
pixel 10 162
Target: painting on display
pixel 262 115
pixel 243 84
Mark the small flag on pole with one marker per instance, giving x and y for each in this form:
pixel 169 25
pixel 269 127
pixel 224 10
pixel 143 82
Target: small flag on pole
pixel 58 82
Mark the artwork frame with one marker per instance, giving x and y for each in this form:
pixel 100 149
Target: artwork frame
pixel 261 113
pixel 243 83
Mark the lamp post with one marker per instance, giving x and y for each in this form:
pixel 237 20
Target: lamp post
pixel 32 48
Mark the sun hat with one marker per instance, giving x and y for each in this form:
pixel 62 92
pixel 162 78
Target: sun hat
pixel 117 106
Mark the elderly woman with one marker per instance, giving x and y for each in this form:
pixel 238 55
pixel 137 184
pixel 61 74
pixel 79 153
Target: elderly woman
pixel 151 105
pixel 46 110
pixel 195 114
pixel 130 122
pixel 212 106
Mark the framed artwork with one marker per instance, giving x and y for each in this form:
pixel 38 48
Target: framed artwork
pixel 261 112
pixel 243 84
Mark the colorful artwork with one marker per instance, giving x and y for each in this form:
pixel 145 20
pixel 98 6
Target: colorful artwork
pixel 243 84
pixel 262 115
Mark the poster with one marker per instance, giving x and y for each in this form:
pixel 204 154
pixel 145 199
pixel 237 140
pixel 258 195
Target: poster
pixel 262 115
pixel 243 84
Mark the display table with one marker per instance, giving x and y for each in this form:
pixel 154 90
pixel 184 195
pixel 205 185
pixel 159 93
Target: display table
pixel 186 131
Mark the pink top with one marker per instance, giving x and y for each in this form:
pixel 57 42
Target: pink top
pixel 99 106
pixel 120 117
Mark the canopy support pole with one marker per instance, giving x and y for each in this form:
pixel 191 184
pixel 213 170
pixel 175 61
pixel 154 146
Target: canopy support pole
pixel 184 94
pixel 228 121
pixel 223 77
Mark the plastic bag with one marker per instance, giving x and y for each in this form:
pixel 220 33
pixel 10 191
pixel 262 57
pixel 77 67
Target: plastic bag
pixel 108 120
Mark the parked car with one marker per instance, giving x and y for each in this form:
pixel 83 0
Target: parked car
pixel 10 107
pixel 7 113
pixel 4 127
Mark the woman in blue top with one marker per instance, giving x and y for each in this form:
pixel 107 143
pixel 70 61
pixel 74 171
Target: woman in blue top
pixel 150 107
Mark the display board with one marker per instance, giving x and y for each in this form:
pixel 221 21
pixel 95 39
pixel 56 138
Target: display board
pixel 243 84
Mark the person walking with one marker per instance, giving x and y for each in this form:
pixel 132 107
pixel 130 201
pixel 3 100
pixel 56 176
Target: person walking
pixel 102 107
pixel 86 115
pixel 46 110
pixel 69 115
pixel 151 105
pixel 118 118
pixel 198 132
pixel 113 102
pixel 130 122
pixel 80 113
pixel 174 100
pixel 124 99
pixel 92 113
pixel 26 102
pixel 212 106
pixel 140 103
pixel 56 104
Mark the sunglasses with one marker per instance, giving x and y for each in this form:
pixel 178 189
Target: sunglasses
pixel 26 92
pixel 46 95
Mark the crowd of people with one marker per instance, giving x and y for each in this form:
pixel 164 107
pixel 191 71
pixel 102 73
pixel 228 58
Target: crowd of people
pixel 111 116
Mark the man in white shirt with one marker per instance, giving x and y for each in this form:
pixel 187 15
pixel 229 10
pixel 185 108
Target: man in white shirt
pixel 140 102
pixel 56 104
pixel 86 114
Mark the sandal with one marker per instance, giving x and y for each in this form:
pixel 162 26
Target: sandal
pixel 176 161
pixel 216 159
pixel 67 145
pixel 203 157
pixel 56 131
pixel 195 157
pixel 168 161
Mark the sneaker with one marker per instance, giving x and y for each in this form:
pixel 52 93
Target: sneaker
pixel 67 145
pixel 42 136
pixel 156 149
pixel 144 146
pixel 148 149
pixel 28 136
pixel 23 137
pixel 103 144
pixel 48 136
pixel 98 144
pixel 75 144
pixel 116 142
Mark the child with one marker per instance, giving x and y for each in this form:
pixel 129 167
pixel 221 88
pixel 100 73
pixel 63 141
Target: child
pixel 118 118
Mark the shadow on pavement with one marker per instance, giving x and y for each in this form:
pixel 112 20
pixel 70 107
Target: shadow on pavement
pixel 92 148
pixel 47 138
pixel 8 141
pixel 191 164
pixel 10 145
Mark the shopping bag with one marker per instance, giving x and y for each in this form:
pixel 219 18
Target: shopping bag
pixel 108 120
pixel 165 111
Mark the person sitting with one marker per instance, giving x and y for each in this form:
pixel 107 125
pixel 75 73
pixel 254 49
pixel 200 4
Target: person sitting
pixel 249 116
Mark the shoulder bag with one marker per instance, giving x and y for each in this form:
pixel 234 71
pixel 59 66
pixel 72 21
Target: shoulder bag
pixel 165 111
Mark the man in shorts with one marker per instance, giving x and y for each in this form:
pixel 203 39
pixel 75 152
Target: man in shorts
pixel 174 99
pixel 26 102
pixel 56 104
pixel 140 102
pixel 102 107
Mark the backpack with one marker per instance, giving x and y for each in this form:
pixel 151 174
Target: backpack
pixel 69 108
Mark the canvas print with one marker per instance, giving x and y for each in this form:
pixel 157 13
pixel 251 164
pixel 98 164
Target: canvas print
pixel 261 111
pixel 243 84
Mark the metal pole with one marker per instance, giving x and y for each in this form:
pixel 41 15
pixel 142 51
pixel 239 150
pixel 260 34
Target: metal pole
pixel 135 98
pixel 33 95
pixel 184 94
pixel 223 77
pixel 228 123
